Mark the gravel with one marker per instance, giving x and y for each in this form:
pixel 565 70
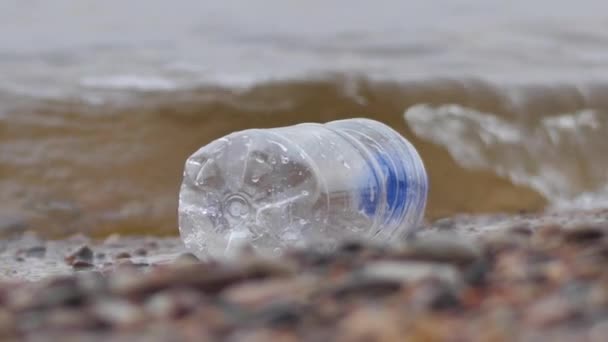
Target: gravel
pixel 471 279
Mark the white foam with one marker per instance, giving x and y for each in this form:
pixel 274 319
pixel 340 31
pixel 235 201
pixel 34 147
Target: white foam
pixel 586 200
pixel 561 157
pixel 584 118
pixel 463 131
pixel 129 81
pixel 557 126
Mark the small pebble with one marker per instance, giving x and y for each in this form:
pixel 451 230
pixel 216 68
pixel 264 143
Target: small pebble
pixel 411 271
pixel 173 303
pixel 434 296
pixel 523 230
pixel 259 293
pixel 447 248
pixel 583 234
pixel 81 264
pixel 152 244
pixel 83 253
pixel 122 255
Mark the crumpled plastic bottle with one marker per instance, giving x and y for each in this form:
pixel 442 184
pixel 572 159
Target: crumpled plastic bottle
pixel 303 185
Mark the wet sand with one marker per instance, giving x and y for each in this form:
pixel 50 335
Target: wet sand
pixel 473 278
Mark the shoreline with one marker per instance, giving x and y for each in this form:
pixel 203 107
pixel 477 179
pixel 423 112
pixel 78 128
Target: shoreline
pixel 30 257
pixel 499 277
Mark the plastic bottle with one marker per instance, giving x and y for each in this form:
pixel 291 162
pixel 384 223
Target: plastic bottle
pixel 308 184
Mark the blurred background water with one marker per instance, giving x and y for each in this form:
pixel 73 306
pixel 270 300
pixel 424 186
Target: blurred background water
pixel 101 102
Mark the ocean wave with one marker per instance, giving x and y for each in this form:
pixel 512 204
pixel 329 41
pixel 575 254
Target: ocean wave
pixel 560 156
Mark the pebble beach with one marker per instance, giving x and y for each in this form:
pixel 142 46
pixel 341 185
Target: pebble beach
pixel 469 278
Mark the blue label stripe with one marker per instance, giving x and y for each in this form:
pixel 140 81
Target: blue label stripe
pixel 396 185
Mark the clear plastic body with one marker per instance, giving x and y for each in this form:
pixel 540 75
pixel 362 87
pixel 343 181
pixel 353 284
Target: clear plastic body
pixel 308 184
